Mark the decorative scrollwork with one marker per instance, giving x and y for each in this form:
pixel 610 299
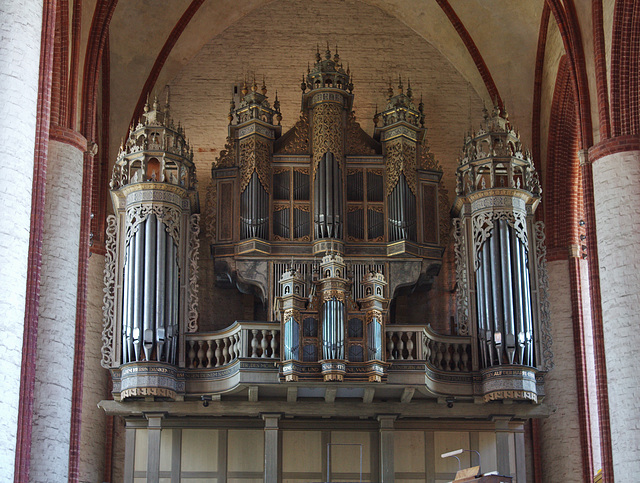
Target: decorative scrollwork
pixel 427 158
pixel 461 277
pixel 299 141
pixel 194 247
pixel 373 314
pixel 483 224
pixel 139 213
pixel 356 138
pixel 327 133
pixel 211 210
pixel 108 299
pixel 445 217
pixel 401 158
pixel 291 314
pixel 254 156
pixel 227 158
pixel 543 291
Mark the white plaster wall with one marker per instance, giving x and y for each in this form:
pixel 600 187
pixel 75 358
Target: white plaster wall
pixel 92 436
pixel 20 25
pixel 561 456
pixel 57 315
pixel 617 201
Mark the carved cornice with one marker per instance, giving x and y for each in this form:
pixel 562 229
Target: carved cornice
pixel 327 134
pixel 254 156
pixel 401 158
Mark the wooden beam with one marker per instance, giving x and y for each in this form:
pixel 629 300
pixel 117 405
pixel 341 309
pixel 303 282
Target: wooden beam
pixel 369 392
pixel 407 395
pixel 253 394
pixel 330 394
pixel 292 394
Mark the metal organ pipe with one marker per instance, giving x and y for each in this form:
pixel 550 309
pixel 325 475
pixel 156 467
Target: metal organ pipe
pixel 503 292
pixel 149 285
pixel 161 287
pixel 328 198
pixel 254 205
pixel 333 329
pixel 137 289
pixel 374 336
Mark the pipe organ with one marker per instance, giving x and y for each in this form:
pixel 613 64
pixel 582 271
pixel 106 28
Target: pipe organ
pixel 325 226
pixel 152 244
pixel 500 253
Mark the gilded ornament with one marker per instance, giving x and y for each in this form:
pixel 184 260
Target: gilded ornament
pixel 427 158
pixel 327 134
pixel 254 156
pixel 227 158
pixel 298 143
pixel 357 138
pixel 401 158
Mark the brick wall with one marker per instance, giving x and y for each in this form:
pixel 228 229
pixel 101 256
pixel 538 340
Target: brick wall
pixel 19 64
pixel 56 322
pixel 617 197
pixel 561 459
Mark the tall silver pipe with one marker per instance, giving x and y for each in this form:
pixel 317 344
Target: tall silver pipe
pixel 528 321
pixel 507 291
pixel 337 199
pixel 498 318
pixel 488 298
pixel 126 287
pixel 328 187
pixel 482 322
pixel 138 290
pixel 518 295
pixel 170 249
pixel 161 287
pixel 148 318
pixel 175 293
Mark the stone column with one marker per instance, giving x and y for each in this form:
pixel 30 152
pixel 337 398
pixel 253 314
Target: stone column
pixel 561 430
pixel 616 181
pixel 57 312
pixel 271 447
pixel 19 65
pixel 387 456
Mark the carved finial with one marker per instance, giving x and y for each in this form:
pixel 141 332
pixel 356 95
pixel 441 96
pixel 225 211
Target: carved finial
pixel 400 88
pixel 318 58
pixel 146 104
pixel 254 87
pixel 348 69
pixel 303 84
pixel 264 87
pixel 156 105
pixel 409 91
pixel 390 90
pixel 245 90
pixel 376 117
pixel 327 53
pixel 336 57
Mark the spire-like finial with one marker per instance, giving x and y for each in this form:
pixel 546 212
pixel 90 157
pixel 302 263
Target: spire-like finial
pixel 409 91
pixel 400 87
pixel 336 57
pixel 303 84
pixel 327 54
pixel 376 117
pixel 348 69
pixel 245 89
pixel 254 86
pixel 166 104
pixel 318 58
pixel 156 105
pixel 390 90
pixel 146 104
pixel 264 86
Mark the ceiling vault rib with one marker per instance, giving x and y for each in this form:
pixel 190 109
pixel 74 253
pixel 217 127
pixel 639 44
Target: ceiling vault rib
pixel 473 52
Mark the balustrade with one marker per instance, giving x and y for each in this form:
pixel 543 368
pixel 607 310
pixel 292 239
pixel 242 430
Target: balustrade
pixel 242 339
pixel 441 352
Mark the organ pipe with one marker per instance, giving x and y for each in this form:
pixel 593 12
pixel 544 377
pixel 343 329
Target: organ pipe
pixel 328 198
pixel 402 212
pixel 254 206
pixel 333 329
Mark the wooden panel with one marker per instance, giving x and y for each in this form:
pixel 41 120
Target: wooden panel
pixel 226 209
pixel 430 213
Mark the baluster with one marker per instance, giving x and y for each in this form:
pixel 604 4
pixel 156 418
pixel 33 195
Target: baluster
pixel 274 343
pixel 200 362
pixel 456 357
pixel 465 358
pixel 447 357
pixel 237 345
pixel 410 345
pixel 210 353
pixel 192 353
pixel 390 344
pixel 218 352
pixel 438 362
pixel 225 351
pixel 400 346
pixel 263 343
pixel 254 343
pixel 427 349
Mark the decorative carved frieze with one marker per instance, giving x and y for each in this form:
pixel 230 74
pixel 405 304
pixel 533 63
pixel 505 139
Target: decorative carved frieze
pixel 254 156
pixel 327 134
pixel 401 158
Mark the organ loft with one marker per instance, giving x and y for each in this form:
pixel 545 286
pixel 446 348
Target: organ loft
pixel 324 227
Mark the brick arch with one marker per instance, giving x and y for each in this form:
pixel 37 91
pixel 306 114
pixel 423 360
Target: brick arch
pixel 563 181
pixel 625 69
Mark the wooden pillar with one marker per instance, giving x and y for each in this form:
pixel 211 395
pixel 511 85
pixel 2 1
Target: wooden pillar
pixel 502 444
pixel 153 456
pixel 387 471
pixel 271 447
pixel 129 454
